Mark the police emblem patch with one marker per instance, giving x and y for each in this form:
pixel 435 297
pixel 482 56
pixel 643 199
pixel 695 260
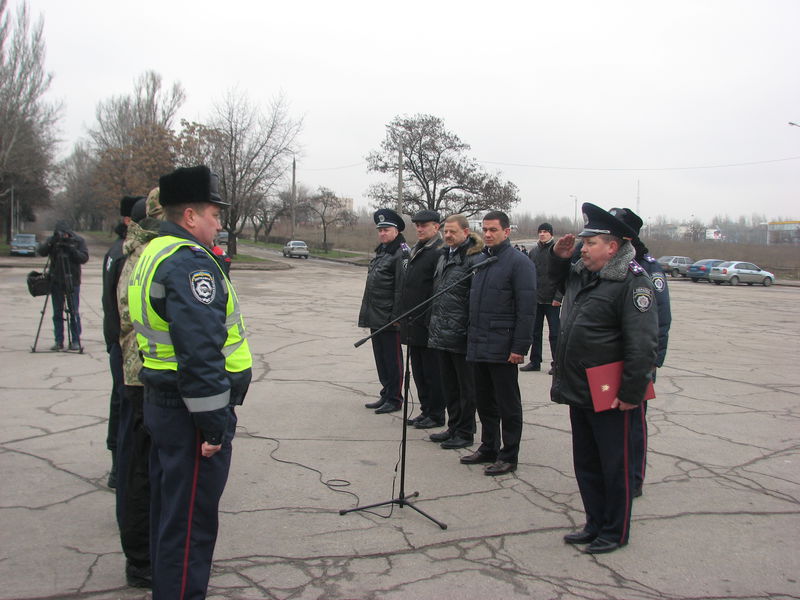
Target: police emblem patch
pixel 642 298
pixel 658 281
pixel 203 286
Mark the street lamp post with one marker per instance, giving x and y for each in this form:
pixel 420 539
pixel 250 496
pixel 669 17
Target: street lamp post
pixel 575 214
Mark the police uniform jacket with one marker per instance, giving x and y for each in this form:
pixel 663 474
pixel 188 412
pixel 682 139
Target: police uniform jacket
pixel 447 329
pixel 546 290
pixel 417 287
pixel 659 280
pixel 64 243
pixel 198 333
pixel 605 317
pixel 381 301
pixel 502 306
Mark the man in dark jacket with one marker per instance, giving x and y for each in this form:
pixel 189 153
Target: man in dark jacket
pixel 607 316
pixel 447 331
pixel 548 300
pixel 112 267
pixel 381 304
pixel 417 287
pixel 67 252
pixel 502 302
pixel 649 264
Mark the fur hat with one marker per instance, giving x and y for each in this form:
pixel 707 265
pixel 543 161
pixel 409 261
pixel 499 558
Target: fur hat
pixel 190 184
pixel 126 205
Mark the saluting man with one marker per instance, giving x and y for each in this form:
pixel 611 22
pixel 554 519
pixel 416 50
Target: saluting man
pixel 607 316
pixel 196 369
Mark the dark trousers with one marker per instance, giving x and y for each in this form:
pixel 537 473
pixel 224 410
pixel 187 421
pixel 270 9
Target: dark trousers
pixel 639 441
pixel 58 295
pixel 600 453
pixel 133 478
pixel 185 493
pixel 458 386
pixel 117 390
pixel 552 314
pixel 499 408
pixel 425 367
pixel 389 363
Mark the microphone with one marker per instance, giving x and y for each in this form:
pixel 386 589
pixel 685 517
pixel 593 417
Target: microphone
pixel 485 263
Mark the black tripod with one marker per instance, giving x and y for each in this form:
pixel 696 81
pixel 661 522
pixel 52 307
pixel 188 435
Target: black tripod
pixel 71 315
pixel 402 499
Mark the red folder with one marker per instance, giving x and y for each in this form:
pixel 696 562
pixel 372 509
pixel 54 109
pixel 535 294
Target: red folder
pixel 604 382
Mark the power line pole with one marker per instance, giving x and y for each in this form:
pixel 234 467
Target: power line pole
pixel 294 194
pixel 400 180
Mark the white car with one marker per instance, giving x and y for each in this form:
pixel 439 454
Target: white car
pixel 296 248
pixel 736 272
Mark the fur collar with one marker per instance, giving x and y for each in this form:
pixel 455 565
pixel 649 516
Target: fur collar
pixel 615 269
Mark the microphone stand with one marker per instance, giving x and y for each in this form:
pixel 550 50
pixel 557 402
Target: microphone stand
pixel 402 499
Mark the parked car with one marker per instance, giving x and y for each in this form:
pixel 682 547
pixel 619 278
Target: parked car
pixel 23 243
pixel 675 265
pixel 222 238
pixel 702 268
pixel 296 248
pixel 736 272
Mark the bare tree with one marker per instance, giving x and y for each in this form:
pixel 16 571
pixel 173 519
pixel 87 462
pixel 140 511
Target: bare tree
pixel 252 153
pixel 78 198
pixel 329 210
pixel 437 173
pixel 27 122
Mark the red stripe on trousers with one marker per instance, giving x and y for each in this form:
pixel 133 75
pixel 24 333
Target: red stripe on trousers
pixel 192 497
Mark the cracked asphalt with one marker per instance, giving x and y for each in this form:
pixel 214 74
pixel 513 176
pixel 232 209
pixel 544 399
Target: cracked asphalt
pixel 719 518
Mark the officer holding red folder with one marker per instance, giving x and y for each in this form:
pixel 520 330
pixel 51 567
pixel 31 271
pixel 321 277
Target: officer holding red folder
pixel 607 315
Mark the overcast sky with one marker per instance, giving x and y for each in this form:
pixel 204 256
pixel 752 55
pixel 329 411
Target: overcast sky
pixel 586 98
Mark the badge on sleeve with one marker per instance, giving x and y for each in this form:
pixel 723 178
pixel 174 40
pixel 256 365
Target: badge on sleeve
pixel 643 298
pixel 203 286
pixel 658 281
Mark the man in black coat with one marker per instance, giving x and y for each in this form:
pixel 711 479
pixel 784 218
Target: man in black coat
pixel 502 302
pixel 418 287
pixel 112 267
pixel 659 279
pixel 548 299
pixel 67 251
pixel 607 316
pixel 447 330
pixel 381 304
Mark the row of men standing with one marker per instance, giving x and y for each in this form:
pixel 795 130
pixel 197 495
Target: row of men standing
pixel 479 325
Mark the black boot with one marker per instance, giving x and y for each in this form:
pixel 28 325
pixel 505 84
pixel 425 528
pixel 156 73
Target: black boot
pixel 112 476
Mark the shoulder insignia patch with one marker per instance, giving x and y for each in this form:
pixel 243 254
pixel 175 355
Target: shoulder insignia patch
pixel 643 298
pixel 203 286
pixel 635 268
pixel 658 281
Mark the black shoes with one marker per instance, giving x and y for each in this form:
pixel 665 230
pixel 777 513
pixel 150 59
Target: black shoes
pixel 637 491
pixel 580 537
pixel 442 436
pixel 500 468
pixel 56 347
pixel 531 367
pixel 601 546
pixel 138 577
pixel 388 407
pixel 455 442
pixel 74 347
pixel 376 404
pixel 477 458
pixel 427 423
pixel 550 372
pixel 413 421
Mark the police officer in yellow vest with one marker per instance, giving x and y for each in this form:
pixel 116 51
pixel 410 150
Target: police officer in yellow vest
pixel 197 368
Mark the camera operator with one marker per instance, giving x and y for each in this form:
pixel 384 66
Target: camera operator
pixel 67 252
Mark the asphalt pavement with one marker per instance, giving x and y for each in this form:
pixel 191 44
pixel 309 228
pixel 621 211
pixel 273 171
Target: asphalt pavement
pixel 719 518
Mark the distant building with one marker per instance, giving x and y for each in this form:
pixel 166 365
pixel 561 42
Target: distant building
pixel 783 232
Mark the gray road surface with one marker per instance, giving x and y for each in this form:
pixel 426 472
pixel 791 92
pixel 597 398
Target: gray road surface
pixel 719 518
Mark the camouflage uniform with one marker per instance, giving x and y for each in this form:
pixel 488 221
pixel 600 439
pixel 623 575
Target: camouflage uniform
pixel 133 483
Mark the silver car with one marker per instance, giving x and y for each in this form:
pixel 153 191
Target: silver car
pixel 736 272
pixel 296 248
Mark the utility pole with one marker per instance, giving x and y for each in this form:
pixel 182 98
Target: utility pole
pixel 294 194
pixel 400 179
pixel 637 198
pixel 575 214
